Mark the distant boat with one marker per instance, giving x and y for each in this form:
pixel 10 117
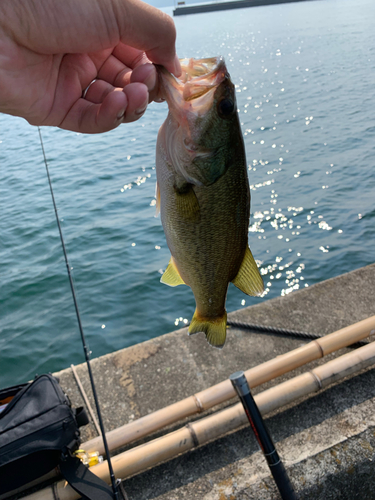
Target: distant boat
pixel 183 9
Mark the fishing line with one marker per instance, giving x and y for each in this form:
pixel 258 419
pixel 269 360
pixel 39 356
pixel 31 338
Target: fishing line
pixel 85 347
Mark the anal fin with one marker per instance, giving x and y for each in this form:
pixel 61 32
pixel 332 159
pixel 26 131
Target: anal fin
pixel 248 278
pixel 171 276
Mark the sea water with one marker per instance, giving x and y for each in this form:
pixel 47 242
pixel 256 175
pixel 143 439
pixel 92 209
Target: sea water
pixel 305 81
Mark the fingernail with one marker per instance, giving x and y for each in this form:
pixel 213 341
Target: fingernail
pixel 121 114
pixel 140 111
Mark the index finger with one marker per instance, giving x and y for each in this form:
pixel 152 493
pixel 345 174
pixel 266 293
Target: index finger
pixel 149 29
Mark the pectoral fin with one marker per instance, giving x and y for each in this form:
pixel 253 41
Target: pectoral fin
pixel 248 279
pixel 186 202
pixel 171 276
pixel 215 329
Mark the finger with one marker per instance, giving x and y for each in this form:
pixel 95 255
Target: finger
pixel 129 55
pixel 138 99
pixel 120 76
pixel 91 118
pixel 151 30
pixel 85 26
pixel 98 91
pixel 115 72
pixel 117 107
pixel 147 74
pixel 117 68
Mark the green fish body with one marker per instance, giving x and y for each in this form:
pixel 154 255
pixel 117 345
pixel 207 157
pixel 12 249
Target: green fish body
pixel 203 192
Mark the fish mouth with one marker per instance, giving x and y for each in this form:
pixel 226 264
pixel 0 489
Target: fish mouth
pixel 202 75
pixel 194 90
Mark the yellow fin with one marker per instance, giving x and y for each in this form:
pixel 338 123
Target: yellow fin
pixel 171 276
pixel 157 196
pixel 187 205
pixel 248 279
pixel 215 329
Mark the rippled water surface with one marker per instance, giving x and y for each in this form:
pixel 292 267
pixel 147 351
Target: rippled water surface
pixel 305 76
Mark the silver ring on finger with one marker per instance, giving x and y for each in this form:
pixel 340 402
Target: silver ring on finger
pixel 84 92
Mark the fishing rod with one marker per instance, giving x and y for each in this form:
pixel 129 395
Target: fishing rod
pixel 116 486
pixel 263 437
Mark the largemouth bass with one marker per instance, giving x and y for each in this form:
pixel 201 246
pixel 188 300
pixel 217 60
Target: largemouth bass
pixel 203 192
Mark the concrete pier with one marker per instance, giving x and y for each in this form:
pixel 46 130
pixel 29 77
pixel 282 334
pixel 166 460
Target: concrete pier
pixel 326 441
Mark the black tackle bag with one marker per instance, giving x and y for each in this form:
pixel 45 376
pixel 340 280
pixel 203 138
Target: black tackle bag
pixel 39 430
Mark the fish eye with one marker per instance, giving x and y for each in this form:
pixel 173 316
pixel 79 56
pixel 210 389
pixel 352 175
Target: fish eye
pixel 225 107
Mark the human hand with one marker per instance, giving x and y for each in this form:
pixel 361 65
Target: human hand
pixel 51 51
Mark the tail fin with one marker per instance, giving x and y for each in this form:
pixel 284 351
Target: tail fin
pixel 214 328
